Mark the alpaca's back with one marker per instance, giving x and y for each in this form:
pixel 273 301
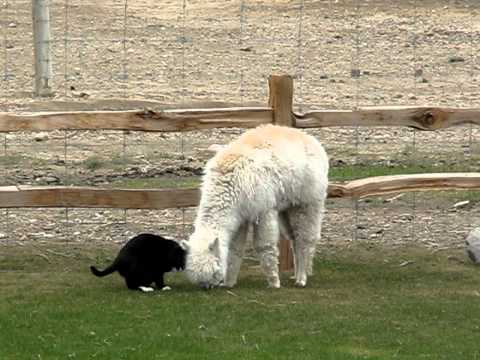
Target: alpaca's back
pixel 271 167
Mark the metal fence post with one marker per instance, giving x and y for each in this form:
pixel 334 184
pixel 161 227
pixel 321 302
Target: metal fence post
pixel 41 40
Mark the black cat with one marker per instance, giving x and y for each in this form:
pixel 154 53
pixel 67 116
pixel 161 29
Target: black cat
pixel 144 259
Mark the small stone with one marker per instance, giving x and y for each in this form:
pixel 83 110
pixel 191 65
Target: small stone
pixel 50 179
pixel 12 25
pixel 42 136
pixel 455 59
pixel 418 72
pixel 323 76
pixel 355 73
pixel 214 148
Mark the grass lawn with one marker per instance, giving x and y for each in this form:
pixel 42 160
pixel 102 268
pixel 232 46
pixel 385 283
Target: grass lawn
pixel 361 304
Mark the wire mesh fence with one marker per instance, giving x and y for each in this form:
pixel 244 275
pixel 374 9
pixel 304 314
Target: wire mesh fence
pixel 120 54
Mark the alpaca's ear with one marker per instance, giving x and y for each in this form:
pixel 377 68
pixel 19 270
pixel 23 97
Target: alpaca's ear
pixel 215 247
pixel 185 245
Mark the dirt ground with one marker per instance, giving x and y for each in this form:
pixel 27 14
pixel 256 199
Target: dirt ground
pixel 343 54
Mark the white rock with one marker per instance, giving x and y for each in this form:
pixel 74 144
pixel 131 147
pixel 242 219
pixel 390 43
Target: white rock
pixel 473 245
pixel 41 136
pixel 461 204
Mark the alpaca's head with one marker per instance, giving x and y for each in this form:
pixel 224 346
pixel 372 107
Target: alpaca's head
pixel 203 265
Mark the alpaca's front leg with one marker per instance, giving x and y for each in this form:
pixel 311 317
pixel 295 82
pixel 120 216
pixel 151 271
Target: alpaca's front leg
pixel 265 241
pixel 235 255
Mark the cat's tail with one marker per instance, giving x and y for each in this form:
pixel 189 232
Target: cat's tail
pixel 112 268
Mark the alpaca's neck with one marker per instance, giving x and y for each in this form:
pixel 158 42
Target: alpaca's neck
pixel 218 208
pixel 220 219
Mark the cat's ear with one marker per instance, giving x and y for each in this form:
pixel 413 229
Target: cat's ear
pixel 214 247
pixel 184 245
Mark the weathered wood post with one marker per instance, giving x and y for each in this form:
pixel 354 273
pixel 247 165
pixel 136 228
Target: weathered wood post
pixel 41 41
pixel 281 101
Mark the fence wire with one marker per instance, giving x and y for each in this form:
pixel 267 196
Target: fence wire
pixel 122 55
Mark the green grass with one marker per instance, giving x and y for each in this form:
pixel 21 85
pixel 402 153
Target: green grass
pixel 339 173
pixel 360 305
pixel 17 159
pixel 351 172
pixel 96 162
pixel 158 182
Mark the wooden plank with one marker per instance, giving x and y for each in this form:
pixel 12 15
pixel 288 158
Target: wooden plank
pixel 382 185
pixel 117 104
pixel 421 118
pixel 92 197
pixel 140 120
pixel 88 197
pixel 281 101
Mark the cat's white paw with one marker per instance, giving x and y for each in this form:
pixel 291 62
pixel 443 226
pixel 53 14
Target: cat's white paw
pixel 146 288
pixel 166 288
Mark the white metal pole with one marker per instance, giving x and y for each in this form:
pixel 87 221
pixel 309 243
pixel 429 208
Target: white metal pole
pixel 41 39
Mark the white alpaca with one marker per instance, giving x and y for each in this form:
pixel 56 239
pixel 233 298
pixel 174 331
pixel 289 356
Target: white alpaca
pixel 274 177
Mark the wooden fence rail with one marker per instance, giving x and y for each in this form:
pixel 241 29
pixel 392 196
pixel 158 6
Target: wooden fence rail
pixel 93 197
pixel 138 120
pixel 421 118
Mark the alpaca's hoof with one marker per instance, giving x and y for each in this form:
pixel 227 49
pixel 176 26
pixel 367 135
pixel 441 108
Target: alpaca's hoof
pixel 227 286
pixel 274 284
pixel 301 283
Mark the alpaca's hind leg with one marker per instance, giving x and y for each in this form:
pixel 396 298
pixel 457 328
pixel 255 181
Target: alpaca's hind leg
pixel 316 227
pixel 235 256
pixel 305 223
pixel 265 241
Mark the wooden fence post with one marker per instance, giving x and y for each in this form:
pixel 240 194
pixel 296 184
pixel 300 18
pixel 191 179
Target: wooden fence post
pixel 41 41
pixel 281 101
